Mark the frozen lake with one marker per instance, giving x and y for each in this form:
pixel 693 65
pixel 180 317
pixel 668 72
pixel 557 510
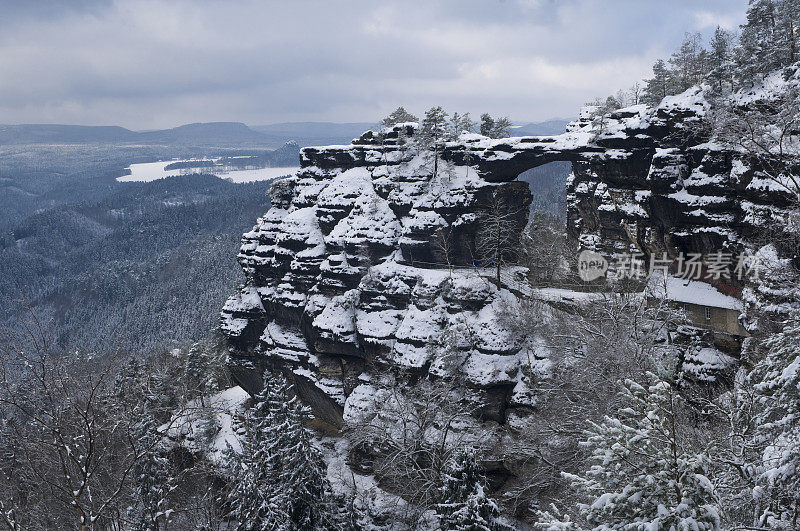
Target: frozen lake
pixel 150 171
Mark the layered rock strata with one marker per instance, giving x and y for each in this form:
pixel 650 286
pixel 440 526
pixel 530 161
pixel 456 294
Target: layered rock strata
pixel 363 266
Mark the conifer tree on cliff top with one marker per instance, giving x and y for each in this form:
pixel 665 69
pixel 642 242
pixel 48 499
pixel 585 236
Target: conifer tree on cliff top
pixel 398 116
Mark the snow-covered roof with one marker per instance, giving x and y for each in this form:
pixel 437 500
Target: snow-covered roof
pixel 691 292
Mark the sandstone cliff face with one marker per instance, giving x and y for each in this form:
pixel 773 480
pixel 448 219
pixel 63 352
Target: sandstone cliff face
pixel 661 185
pixel 349 277
pixel 346 273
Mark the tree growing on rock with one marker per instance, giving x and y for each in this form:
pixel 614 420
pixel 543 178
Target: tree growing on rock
pixel 398 116
pixel 498 237
pixel 433 133
pixel 198 376
pixel 657 87
pixel 758 50
pixel 720 64
pixel 461 123
pixel 689 63
pixel 495 127
pixel 768 134
pixel 600 111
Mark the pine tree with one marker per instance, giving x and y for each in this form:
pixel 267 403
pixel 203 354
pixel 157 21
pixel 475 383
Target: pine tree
pixel 464 506
pixel 152 474
pixel 778 375
pixel 758 51
pixel 689 63
pixel 645 473
pixel 658 87
pixel 355 513
pixel 461 123
pixel 719 61
pixel 433 133
pixel 197 372
pixel 161 394
pixel 495 128
pixel 256 502
pixel 128 383
pixel 398 116
pixel 487 124
pixel 279 479
pixel 787 27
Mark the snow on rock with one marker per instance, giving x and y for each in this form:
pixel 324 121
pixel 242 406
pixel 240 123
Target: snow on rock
pixel 300 227
pixel 351 255
pixel 207 426
pixel 241 311
pixel 491 369
pixel 420 326
pixel 691 292
pixel 283 342
pixel 337 321
pixel 370 221
pixel 706 363
pixel 381 324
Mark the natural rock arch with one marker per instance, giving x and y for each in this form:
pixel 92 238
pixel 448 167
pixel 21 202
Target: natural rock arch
pixel 333 291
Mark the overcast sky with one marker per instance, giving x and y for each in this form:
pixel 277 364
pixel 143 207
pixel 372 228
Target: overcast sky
pixel 147 64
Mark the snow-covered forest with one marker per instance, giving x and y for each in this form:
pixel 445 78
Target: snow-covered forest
pixel 415 343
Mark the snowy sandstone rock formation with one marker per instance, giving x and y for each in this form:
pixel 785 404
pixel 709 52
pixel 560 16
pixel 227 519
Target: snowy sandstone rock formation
pixel 345 273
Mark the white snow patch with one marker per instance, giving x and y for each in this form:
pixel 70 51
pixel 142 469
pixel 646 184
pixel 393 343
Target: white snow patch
pixel 691 292
pixel 223 407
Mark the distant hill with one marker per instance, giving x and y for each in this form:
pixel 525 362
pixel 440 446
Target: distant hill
pixel 70 134
pixel 211 133
pixel 549 127
pixel 313 133
pixel 199 134
pixel 221 134
pixel 226 134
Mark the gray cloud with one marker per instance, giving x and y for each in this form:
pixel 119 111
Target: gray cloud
pixel 159 63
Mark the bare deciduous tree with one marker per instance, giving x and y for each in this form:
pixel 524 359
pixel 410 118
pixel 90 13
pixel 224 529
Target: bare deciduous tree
pixel 545 248
pixel 76 456
pixel 768 133
pixel 85 440
pixel 593 346
pixel 411 435
pixel 498 237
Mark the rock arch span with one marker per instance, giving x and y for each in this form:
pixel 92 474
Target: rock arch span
pixel 332 296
